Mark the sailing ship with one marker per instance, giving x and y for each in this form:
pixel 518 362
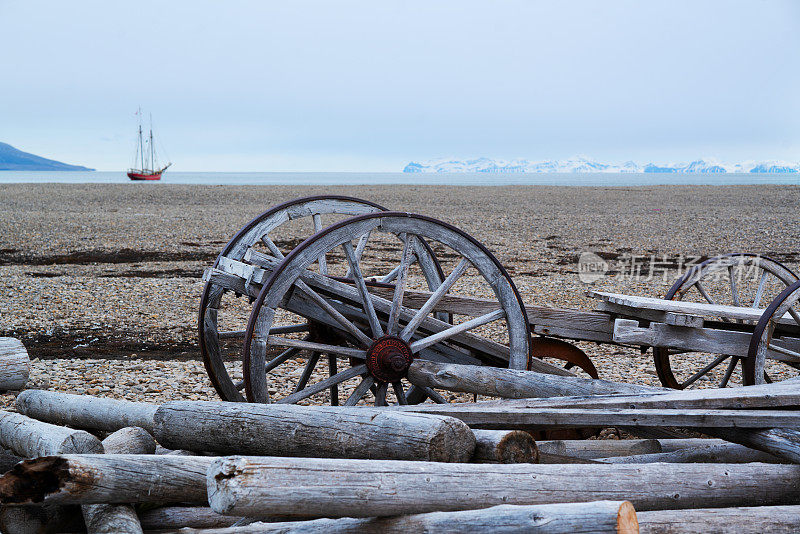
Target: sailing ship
pixel 145 156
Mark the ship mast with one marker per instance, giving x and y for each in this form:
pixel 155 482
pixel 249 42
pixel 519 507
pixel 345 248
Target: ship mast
pixel 141 141
pixel 152 148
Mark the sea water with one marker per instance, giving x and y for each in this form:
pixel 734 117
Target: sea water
pixel 396 178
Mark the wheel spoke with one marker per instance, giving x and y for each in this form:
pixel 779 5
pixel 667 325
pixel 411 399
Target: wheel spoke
pixel 435 297
pixel 760 291
pixel 360 391
pixel 380 394
pixel 795 315
pixel 280 358
pixel 400 286
pixel 418 345
pixel 391 276
pixel 692 379
pixel 332 365
pixel 318 347
pixel 272 246
pixel 307 370
pixel 323 263
pixel 334 313
pixel 366 299
pixel 435 396
pixel 399 393
pixel 729 371
pixel 362 244
pixel 734 289
pixel 703 292
pixel 322 385
pixel 785 351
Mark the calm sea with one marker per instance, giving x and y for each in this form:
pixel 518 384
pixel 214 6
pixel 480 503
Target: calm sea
pixel 381 178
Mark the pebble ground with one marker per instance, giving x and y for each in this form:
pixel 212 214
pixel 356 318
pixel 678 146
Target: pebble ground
pixel 102 282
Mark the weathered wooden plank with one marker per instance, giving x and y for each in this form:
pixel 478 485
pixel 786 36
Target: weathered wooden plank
pixel 30 438
pixel 517 384
pixel 321 431
pixel 108 479
pixel 783 443
pixel 119 518
pixel 563 518
pixel 673 318
pixel 15 365
pixel 742 520
pixel 49 518
pixel 504 447
pixel 684 307
pixel 85 411
pixel 327 487
pixel 501 417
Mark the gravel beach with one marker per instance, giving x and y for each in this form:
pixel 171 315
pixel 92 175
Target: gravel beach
pixel 102 282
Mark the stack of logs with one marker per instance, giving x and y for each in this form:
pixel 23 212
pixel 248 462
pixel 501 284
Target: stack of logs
pixel 219 467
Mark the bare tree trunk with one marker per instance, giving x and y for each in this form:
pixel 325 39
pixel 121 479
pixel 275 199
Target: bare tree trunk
pixel 504 447
pixel 311 487
pixel 107 479
pixel 317 431
pixel 119 518
pixel 85 411
pixel 15 365
pixel 569 518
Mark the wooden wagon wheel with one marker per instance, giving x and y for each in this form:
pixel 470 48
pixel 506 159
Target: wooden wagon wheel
pixel 774 352
pixel 377 338
pixel 737 279
pixel 259 234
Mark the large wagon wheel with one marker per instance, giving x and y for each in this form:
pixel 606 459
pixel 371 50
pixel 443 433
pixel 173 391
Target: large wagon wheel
pixel 377 338
pixel 774 352
pixel 738 279
pixel 218 304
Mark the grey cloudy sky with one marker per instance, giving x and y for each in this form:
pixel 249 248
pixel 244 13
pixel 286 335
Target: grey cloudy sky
pixel 365 85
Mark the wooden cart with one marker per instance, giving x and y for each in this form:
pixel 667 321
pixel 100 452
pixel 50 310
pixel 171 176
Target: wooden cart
pixel 340 311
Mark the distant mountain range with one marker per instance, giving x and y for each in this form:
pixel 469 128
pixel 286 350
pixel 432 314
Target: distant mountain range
pixel 12 159
pixel 584 164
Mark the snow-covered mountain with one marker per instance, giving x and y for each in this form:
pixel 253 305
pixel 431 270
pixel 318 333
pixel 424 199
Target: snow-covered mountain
pixel 585 164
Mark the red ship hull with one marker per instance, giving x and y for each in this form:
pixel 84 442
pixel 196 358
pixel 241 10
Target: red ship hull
pixel 139 176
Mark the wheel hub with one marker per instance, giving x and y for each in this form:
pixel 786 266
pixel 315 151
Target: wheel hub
pixel 388 359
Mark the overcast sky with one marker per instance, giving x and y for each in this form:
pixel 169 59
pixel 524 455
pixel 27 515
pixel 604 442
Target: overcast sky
pixel 369 86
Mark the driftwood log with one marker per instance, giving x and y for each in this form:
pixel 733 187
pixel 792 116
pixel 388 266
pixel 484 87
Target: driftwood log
pixel 318 431
pixel 107 479
pixel 568 518
pixel 599 448
pixel 30 438
pixel 745 520
pixel 15 365
pixel 510 383
pixel 181 517
pixel 609 448
pixel 504 447
pixel 728 453
pixel 253 486
pixel 119 518
pixel 780 442
pixel 85 411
